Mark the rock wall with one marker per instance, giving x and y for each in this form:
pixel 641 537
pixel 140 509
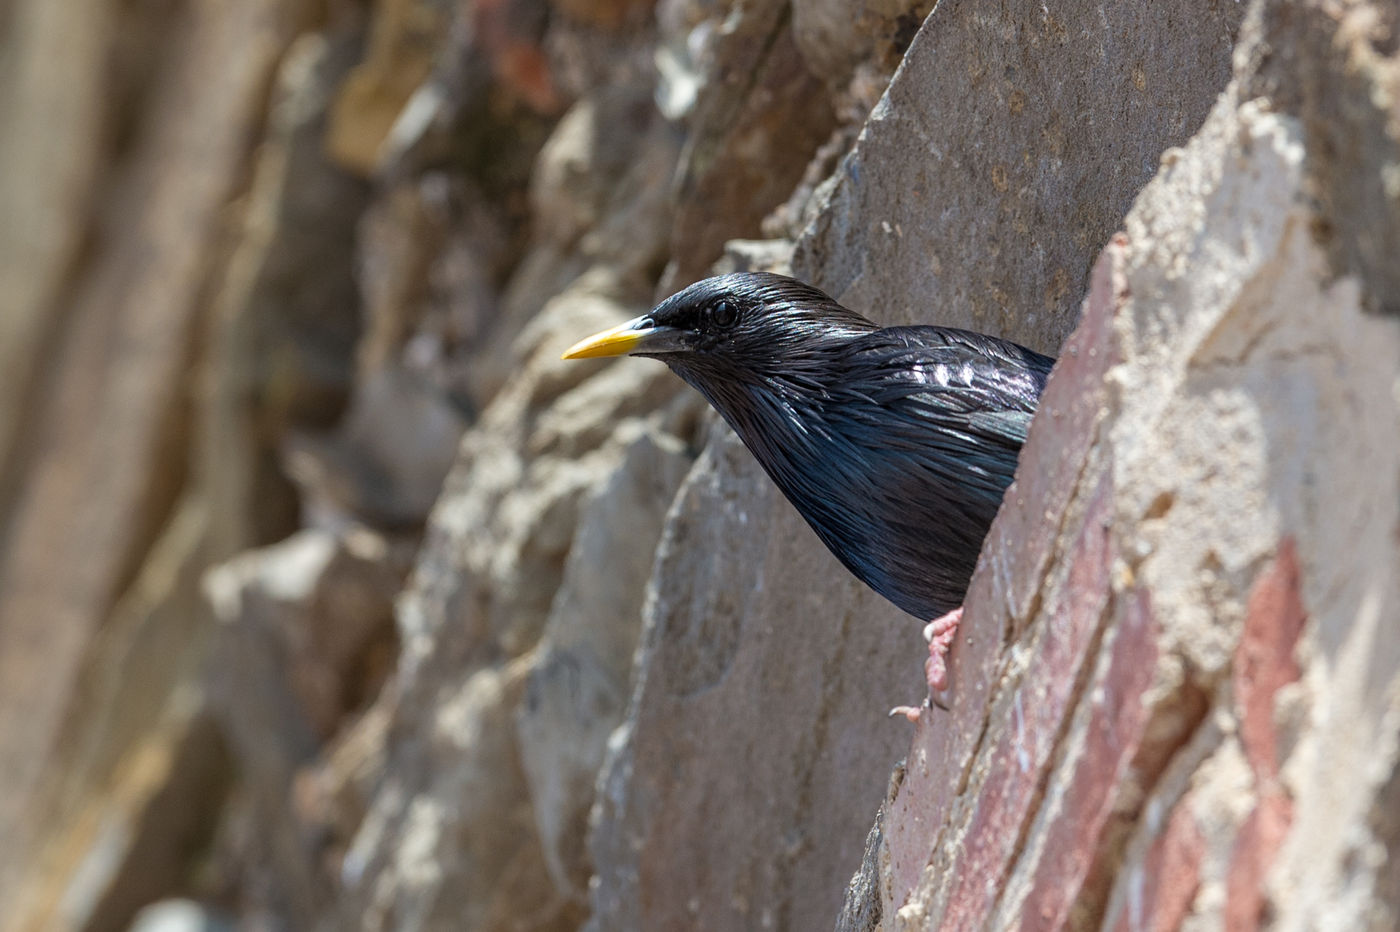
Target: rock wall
pixel 1183 710
pixel 331 598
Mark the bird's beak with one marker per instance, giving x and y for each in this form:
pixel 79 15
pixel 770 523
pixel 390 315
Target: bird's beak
pixel 638 335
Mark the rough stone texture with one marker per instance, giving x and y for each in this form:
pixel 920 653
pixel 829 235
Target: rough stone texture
pixel 1336 70
pixel 307 641
pixel 284 327
pixel 861 910
pixel 52 58
pixel 745 151
pixel 1190 710
pixel 99 472
pixel 810 647
pixel 1005 154
pixel 740 664
pixel 508 637
pixel 578 687
pixel 331 598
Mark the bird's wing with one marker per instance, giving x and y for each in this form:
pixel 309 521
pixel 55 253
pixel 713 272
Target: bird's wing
pixel 1012 426
pixel 961 397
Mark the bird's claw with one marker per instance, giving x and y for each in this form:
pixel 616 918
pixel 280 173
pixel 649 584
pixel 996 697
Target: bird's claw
pixel 911 712
pixel 915 712
pixel 939 633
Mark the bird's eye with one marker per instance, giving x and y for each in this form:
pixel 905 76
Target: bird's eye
pixel 723 314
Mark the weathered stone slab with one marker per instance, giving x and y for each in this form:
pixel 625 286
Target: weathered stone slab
pixel 952 209
pixel 1005 153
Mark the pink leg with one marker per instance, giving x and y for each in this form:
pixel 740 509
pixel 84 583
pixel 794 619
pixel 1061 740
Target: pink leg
pixel 939 633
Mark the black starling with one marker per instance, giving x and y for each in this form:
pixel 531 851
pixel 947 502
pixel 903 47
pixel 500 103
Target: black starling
pixel 895 443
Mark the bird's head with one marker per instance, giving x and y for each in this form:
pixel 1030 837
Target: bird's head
pixel 741 328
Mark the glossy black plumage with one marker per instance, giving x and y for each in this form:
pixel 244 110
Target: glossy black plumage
pixel 896 444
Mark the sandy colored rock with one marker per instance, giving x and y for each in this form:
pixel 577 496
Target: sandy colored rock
pixel 590 183
pixel 52 61
pixel 306 640
pixel 399 58
pixel 319 607
pixel 284 307
pixel 580 680
pixel 101 480
pixel 601 196
pixel 389 457
pixel 140 770
pixel 745 152
pixel 451 833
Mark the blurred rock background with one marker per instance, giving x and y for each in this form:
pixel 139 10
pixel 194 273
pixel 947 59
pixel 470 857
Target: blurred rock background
pixel 331 599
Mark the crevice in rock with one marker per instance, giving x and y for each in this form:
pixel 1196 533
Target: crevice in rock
pixel 1171 731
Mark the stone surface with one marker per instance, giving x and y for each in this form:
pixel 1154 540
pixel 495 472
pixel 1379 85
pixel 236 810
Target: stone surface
pixel 580 679
pixel 306 640
pixel 810 647
pixel 285 319
pixel 509 633
pixel 745 150
pixel 495 641
pixel 1187 774
pixel 399 56
pixel 139 769
pixel 179 916
pixel 105 453
pixel 1335 68
pixel 1005 154
pixel 609 163
pixel 320 608
pixel 52 61
pixel 836 37
pixel 738 664
pixel 861 909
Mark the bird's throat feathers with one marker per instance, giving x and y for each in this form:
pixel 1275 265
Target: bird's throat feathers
pixel 779 414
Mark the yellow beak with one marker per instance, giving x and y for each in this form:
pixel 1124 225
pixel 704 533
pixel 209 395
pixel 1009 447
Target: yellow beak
pixel 637 334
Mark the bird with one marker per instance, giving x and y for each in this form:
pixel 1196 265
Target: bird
pixel 895 444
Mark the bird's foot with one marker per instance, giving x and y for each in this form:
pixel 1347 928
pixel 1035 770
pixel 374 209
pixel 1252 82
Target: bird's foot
pixel 939 633
pixel 913 712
